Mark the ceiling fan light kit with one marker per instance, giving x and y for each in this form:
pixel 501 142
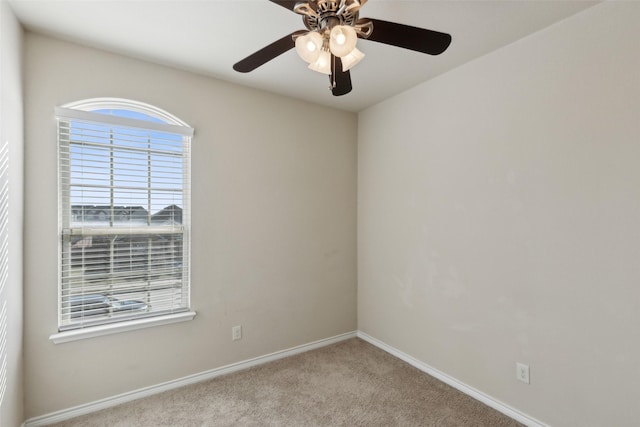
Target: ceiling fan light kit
pixel 348 61
pixel 342 40
pixel 309 46
pixel 328 44
pixel 322 64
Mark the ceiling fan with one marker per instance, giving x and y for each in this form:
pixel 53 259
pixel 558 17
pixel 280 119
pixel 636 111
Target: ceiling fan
pixel 329 42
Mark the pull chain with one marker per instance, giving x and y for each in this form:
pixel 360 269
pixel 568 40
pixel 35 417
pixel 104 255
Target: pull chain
pixel 332 77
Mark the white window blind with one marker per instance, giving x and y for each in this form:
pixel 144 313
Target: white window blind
pixel 4 267
pixel 124 184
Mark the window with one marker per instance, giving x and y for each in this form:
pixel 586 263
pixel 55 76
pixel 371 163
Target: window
pixel 4 266
pixel 124 220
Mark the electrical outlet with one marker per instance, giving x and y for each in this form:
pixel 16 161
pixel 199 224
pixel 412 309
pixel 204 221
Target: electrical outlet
pixel 236 333
pixel 522 372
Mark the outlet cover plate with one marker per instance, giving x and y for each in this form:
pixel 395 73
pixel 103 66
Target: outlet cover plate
pixel 236 333
pixel 522 372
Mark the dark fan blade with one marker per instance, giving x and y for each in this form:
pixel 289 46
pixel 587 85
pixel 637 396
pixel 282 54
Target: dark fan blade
pixel 340 80
pixel 266 54
pixel 408 37
pixel 286 3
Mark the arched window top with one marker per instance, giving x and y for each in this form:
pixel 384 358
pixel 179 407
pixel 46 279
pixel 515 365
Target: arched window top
pixel 127 112
pixel 126 108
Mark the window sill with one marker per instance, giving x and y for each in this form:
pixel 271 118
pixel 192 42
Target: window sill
pixel 115 328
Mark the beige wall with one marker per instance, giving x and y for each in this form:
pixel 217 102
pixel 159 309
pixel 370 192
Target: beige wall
pixel 274 234
pixel 499 221
pixel 11 133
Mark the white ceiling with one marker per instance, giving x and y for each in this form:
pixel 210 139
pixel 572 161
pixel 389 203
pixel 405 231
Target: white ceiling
pixel 209 36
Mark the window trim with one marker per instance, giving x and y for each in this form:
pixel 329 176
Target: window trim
pixel 124 104
pixel 118 327
pixel 86 116
pixel 84 110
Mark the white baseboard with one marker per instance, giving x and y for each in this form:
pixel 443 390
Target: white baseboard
pixel 466 389
pixel 98 405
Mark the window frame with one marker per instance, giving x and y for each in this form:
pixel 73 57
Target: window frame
pixel 85 111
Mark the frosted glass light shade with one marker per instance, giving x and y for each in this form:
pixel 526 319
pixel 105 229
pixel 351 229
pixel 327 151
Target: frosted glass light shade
pixel 323 63
pixel 309 46
pixel 342 40
pixel 351 59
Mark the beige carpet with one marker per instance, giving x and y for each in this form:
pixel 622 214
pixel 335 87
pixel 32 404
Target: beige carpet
pixel 351 383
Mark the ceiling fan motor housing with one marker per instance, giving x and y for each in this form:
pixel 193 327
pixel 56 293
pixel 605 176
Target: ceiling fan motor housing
pixel 319 15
